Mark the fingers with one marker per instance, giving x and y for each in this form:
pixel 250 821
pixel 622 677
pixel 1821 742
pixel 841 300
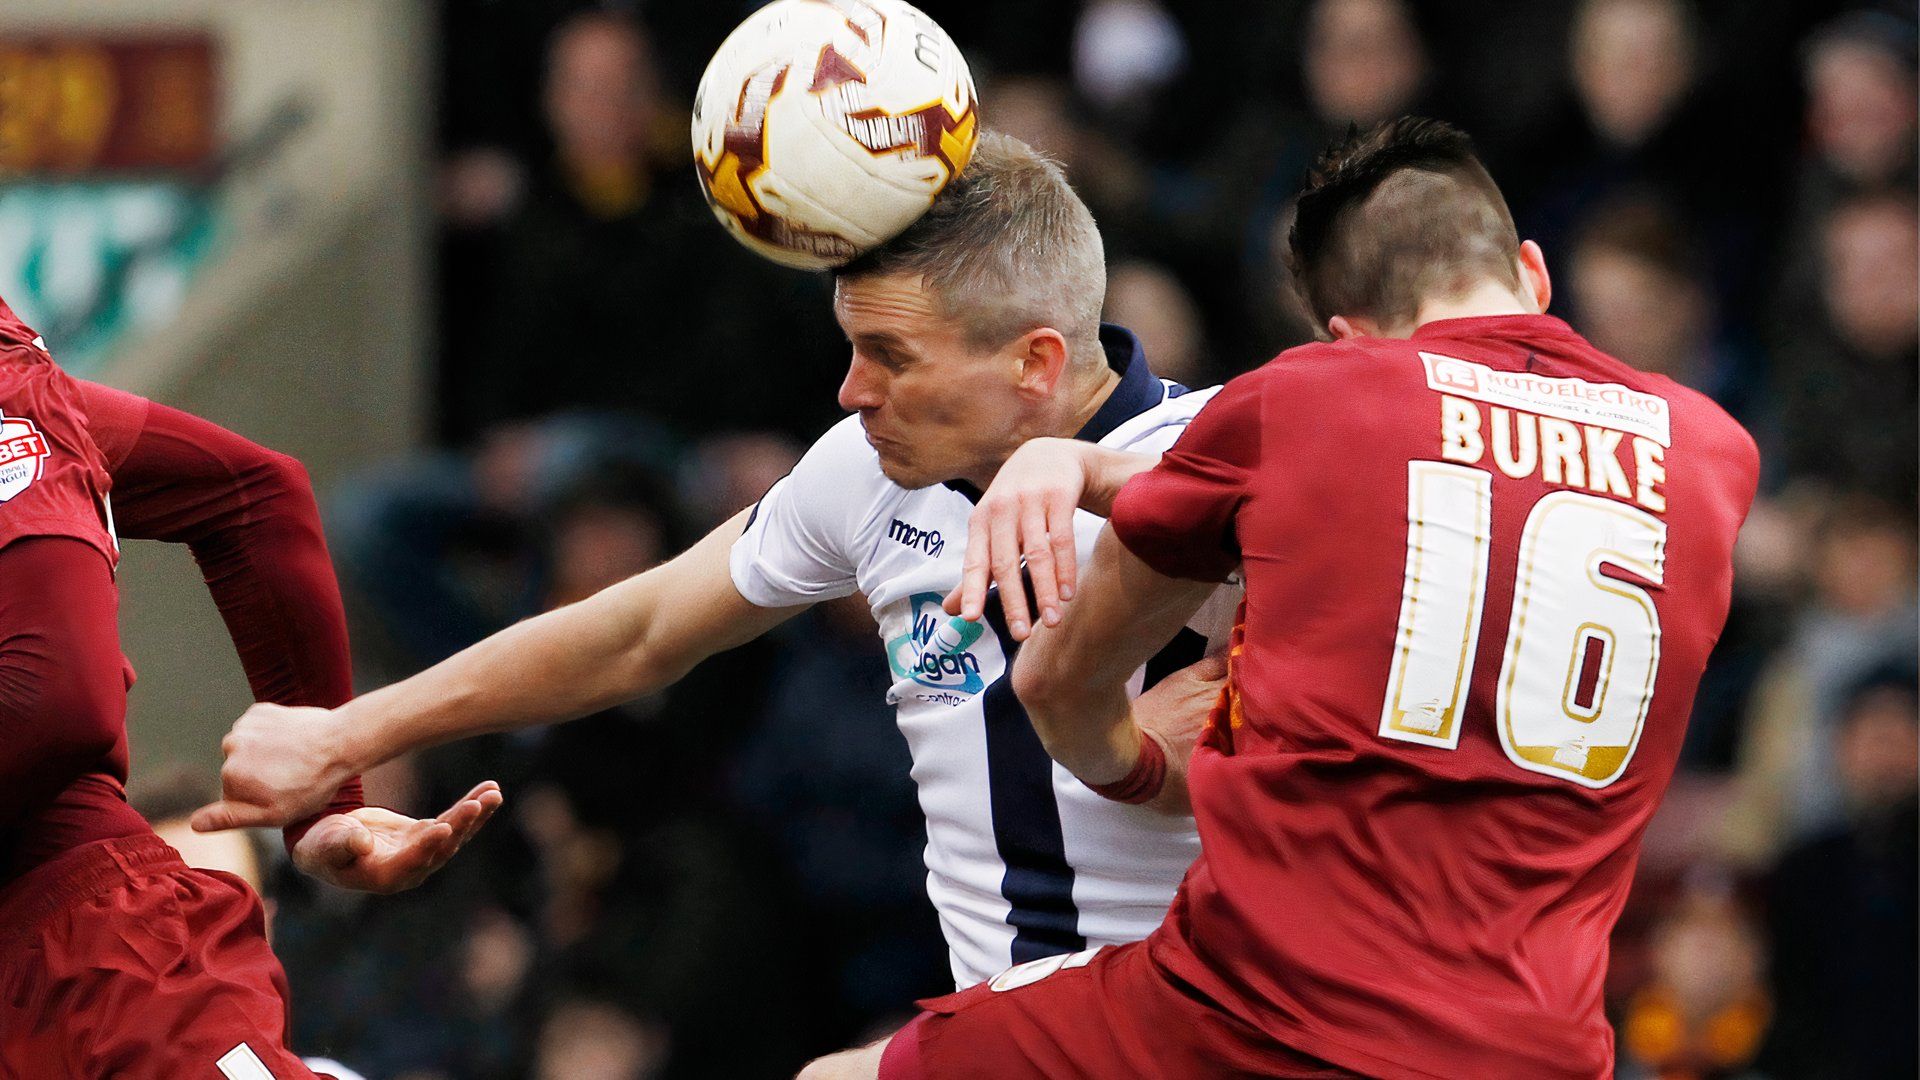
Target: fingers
pixel 1005 560
pixel 1060 509
pixel 1040 560
pixel 973 575
pixel 472 799
pixel 467 816
pixel 222 815
pixel 438 843
pixel 1210 668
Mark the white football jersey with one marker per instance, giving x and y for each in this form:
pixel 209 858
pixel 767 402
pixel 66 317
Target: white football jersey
pixel 1023 860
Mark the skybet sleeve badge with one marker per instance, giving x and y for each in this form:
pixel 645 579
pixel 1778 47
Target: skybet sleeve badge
pixel 23 455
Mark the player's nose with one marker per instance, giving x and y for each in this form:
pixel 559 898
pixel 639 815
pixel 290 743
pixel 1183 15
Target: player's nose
pixel 860 390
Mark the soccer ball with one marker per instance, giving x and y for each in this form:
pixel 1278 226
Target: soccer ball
pixel 823 128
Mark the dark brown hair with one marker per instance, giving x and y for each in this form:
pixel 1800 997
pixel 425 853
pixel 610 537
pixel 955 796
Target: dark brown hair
pixel 1394 214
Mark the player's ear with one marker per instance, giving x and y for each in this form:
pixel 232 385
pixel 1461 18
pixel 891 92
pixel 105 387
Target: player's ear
pixel 1536 285
pixel 1042 356
pixel 1343 328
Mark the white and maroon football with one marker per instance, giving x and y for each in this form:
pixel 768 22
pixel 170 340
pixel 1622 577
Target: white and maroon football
pixel 823 128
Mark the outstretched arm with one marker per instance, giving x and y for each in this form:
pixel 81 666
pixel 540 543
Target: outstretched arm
pixel 630 639
pixel 1072 678
pixel 249 517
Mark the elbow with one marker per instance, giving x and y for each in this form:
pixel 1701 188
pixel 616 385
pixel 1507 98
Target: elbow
pixel 281 479
pixel 1053 706
pixel 646 664
pixel 1037 691
pixel 278 495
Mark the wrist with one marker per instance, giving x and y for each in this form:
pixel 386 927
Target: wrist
pixel 1104 471
pixel 357 741
pixel 1144 777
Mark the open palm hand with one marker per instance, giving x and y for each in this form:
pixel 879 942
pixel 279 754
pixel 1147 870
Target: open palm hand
pixel 376 850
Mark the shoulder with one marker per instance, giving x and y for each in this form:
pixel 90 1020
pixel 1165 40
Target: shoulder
pixel 1302 371
pixel 1324 363
pixel 835 488
pixel 1156 427
pixel 844 457
pixel 1699 422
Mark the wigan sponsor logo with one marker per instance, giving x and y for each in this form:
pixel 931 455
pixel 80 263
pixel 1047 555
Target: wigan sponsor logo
pixel 927 540
pixel 937 650
pixel 1607 405
pixel 23 455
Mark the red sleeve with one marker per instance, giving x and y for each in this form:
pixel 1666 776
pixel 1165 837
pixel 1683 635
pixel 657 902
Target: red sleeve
pixel 1178 517
pixel 249 517
pixel 114 419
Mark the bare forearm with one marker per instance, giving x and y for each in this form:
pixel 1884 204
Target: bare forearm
pixel 1072 678
pixel 564 664
pixel 1091 734
pixel 631 639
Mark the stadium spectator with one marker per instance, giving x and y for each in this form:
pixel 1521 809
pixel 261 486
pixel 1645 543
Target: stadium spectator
pixel 1632 67
pixel 1706 1008
pixel 1846 371
pixel 595 307
pixel 1844 906
pixel 1364 60
pixel 1643 115
pixel 1638 289
pixel 1149 300
pixel 1861 114
pixel 1360 60
pixel 443 547
pixel 1124 53
pixel 722 474
pixel 1861 616
pixel 590 1038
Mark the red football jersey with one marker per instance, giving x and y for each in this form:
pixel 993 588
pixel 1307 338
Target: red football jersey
pixel 1484 569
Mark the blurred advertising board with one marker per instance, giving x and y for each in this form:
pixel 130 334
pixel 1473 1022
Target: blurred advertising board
pixel 108 160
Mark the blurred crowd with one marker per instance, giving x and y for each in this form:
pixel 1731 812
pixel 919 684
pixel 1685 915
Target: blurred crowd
pixel 726 878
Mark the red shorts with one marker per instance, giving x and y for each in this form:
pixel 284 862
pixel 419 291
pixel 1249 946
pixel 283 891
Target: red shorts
pixel 53 477
pixel 1106 1014
pixel 117 960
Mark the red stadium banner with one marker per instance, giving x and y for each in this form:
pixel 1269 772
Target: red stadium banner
pixel 73 105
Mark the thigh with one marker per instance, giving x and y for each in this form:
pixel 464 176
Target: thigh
pixel 168 976
pixel 1104 1014
pixel 1061 1018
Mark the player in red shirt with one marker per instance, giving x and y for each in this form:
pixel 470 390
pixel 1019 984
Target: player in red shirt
pixel 115 958
pixel 1485 564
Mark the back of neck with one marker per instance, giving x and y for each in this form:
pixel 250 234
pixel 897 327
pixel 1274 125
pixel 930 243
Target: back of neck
pixel 1488 298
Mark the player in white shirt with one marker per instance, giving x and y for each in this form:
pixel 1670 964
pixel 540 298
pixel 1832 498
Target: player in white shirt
pixel 974 332
pixel 1023 860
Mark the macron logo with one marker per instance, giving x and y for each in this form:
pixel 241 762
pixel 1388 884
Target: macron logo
pixel 927 540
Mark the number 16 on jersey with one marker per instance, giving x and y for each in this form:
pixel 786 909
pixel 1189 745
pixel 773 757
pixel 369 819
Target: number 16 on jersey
pixel 1582 647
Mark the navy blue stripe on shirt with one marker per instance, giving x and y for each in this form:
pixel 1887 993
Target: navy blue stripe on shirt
pixel 1186 648
pixel 1026 819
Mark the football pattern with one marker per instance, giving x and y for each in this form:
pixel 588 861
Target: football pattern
pixel 822 128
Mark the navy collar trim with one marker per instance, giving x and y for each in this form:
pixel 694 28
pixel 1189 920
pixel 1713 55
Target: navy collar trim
pixel 1137 391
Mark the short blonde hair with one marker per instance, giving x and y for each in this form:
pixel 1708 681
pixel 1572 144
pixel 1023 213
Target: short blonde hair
pixel 1008 247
